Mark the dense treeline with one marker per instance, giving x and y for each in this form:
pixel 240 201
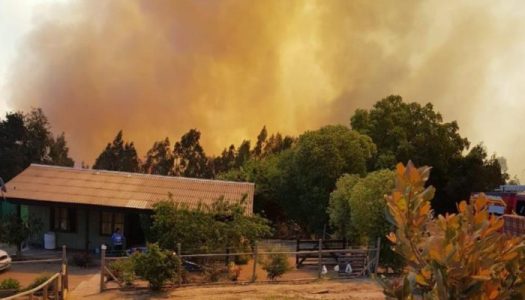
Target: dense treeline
pixel 26 139
pixel 294 176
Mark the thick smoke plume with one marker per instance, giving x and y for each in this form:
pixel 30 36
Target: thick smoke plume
pixel 159 68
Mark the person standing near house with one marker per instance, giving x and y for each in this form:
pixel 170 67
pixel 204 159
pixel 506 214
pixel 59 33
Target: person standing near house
pixel 117 240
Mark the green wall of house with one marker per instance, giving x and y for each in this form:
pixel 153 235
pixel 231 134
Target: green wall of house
pixel 76 239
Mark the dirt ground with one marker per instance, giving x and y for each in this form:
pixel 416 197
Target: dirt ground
pixel 26 273
pixel 324 289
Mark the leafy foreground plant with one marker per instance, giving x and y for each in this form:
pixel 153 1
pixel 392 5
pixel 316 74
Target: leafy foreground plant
pixel 456 256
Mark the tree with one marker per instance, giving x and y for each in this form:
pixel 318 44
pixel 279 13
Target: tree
pixel 266 175
pixel 118 156
pixel 190 159
pixel 243 154
pixel 38 135
pixel 59 152
pixel 409 131
pixel 261 139
pixel 311 169
pixel 26 139
pixel 357 211
pixel 277 144
pixel 226 161
pixel 13 137
pixel 16 230
pixel 204 229
pixel 339 207
pixel 159 159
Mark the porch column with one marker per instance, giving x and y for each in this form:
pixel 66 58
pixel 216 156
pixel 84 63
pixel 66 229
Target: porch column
pixel 87 229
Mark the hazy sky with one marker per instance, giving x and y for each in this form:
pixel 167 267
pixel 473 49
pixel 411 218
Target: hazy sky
pixel 159 68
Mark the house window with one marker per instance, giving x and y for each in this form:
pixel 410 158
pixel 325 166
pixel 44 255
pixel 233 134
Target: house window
pixel 109 221
pixel 63 219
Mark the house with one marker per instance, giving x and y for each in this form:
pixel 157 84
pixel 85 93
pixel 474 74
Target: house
pixel 83 207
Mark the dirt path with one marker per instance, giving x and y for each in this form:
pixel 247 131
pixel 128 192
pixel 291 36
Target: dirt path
pixel 350 289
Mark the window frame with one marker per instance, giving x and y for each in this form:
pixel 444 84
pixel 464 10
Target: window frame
pixel 113 222
pixel 71 219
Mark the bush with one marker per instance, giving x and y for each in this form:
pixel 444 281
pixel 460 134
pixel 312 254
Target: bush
pixel 83 259
pixel 38 281
pixel 10 284
pixel 214 271
pixel 156 266
pixel 275 265
pixel 233 271
pixel 242 259
pixel 456 256
pixel 124 270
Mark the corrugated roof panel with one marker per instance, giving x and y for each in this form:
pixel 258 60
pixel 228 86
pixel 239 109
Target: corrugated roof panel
pixel 120 189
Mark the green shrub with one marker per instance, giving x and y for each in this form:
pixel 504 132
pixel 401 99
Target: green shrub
pixel 10 284
pixel 38 281
pixel 156 266
pixel 275 265
pixel 124 270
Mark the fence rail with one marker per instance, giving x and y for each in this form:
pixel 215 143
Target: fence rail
pixel 57 283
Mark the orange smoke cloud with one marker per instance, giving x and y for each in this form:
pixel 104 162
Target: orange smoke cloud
pixel 159 68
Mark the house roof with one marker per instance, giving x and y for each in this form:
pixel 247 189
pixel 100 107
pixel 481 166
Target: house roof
pixel 120 189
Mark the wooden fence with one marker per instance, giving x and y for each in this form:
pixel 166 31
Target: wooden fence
pixel 56 287
pixel 362 261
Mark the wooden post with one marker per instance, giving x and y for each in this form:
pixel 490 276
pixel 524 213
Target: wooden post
pixel 227 258
pixel 102 267
pixel 254 274
pixel 18 218
pixel 377 255
pixel 297 254
pixel 320 257
pixel 180 263
pixel 87 230
pixel 65 271
pixel 44 292
pixel 55 288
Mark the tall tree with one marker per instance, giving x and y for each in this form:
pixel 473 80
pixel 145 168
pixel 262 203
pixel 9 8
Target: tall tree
pixel 409 131
pixel 243 153
pixel 59 152
pixel 476 172
pixel 38 135
pixel 225 161
pixel 276 143
pixel 357 211
pixel 311 169
pixel 261 140
pixel 159 159
pixel 13 137
pixel 190 159
pixel 118 156
pixel 26 139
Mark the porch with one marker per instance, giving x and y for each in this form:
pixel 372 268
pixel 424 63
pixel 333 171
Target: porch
pixel 85 227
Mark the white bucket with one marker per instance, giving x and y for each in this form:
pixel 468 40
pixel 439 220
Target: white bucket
pixel 49 240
